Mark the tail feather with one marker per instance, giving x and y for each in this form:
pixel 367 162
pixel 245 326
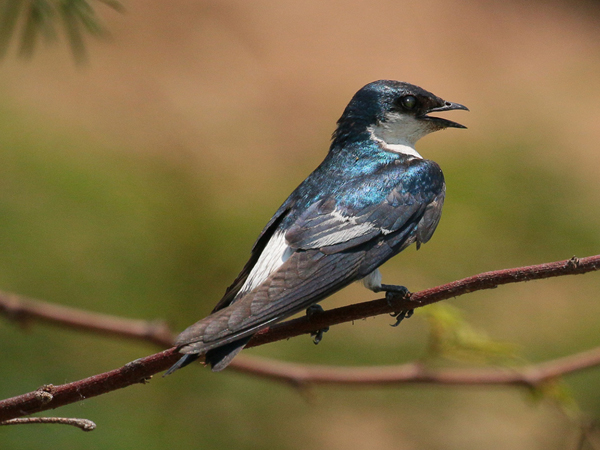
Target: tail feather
pixel 220 357
pixel 183 361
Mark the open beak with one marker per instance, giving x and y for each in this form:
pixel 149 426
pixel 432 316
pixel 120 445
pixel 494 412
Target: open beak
pixel 445 123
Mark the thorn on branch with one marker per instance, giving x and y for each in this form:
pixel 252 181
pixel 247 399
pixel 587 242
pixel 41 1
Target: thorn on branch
pixel 45 393
pixel 573 263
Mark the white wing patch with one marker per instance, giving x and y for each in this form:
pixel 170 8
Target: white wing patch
pixel 335 229
pixel 275 253
pixel 342 235
pixel 348 229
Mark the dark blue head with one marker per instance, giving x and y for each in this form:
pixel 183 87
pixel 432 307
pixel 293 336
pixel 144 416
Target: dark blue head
pixel 395 111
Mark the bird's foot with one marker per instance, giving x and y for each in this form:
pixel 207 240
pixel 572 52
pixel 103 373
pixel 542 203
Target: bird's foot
pixel 311 311
pixel 394 293
pixel 401 315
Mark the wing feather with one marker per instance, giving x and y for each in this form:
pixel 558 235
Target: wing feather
pixel 263 239
pixel 375 224
pixel 286 292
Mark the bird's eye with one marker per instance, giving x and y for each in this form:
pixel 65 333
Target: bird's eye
pixel 408 101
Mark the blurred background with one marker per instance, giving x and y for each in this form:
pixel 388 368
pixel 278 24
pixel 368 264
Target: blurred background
pixel 136 183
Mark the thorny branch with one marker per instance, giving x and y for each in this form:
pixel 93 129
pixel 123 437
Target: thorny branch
pixel 141 370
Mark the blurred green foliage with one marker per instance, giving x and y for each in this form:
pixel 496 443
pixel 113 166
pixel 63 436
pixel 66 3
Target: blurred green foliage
pixel 452 337
pixel 40 19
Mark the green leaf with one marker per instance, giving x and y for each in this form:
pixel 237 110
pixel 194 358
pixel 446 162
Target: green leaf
pixel 452 337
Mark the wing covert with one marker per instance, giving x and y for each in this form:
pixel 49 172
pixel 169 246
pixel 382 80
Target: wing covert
pixel 334 224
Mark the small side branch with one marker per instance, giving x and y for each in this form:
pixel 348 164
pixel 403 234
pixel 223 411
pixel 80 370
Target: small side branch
pixel 83 424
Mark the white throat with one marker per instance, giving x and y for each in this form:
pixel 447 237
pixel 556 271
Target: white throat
pixel 399 133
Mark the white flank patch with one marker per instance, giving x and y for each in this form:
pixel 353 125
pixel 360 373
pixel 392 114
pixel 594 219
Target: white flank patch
pixel 275 253
pixel 373 281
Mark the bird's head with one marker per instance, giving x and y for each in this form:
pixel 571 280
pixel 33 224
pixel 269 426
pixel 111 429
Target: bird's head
pixel 393 112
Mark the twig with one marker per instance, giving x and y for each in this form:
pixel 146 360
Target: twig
pixel 142 369
pixel 84 424
pixel 531 376
pixel 588 433
pixel 51 397
pixel 24 309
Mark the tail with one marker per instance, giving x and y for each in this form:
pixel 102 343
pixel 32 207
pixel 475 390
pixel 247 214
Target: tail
pixel 304 279
pixel 183 361
pixel 218 358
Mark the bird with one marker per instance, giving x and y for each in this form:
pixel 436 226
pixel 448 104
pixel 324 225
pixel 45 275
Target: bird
pixel 371 197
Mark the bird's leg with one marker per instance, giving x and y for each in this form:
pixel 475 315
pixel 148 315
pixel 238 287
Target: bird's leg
pixel 310 312
pixel 393 293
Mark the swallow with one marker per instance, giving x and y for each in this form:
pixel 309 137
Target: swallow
pixel 371 197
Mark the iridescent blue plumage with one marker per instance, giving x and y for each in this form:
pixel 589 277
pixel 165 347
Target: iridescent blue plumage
pixel 370 198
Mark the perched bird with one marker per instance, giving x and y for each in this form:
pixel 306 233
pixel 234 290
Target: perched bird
pixel 372 196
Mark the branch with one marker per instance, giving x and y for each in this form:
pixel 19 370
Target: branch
pixel 139 371
pixel 83 424
pixel 24 309
pixel 486 280
pixel 51 397
pixel 531 376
